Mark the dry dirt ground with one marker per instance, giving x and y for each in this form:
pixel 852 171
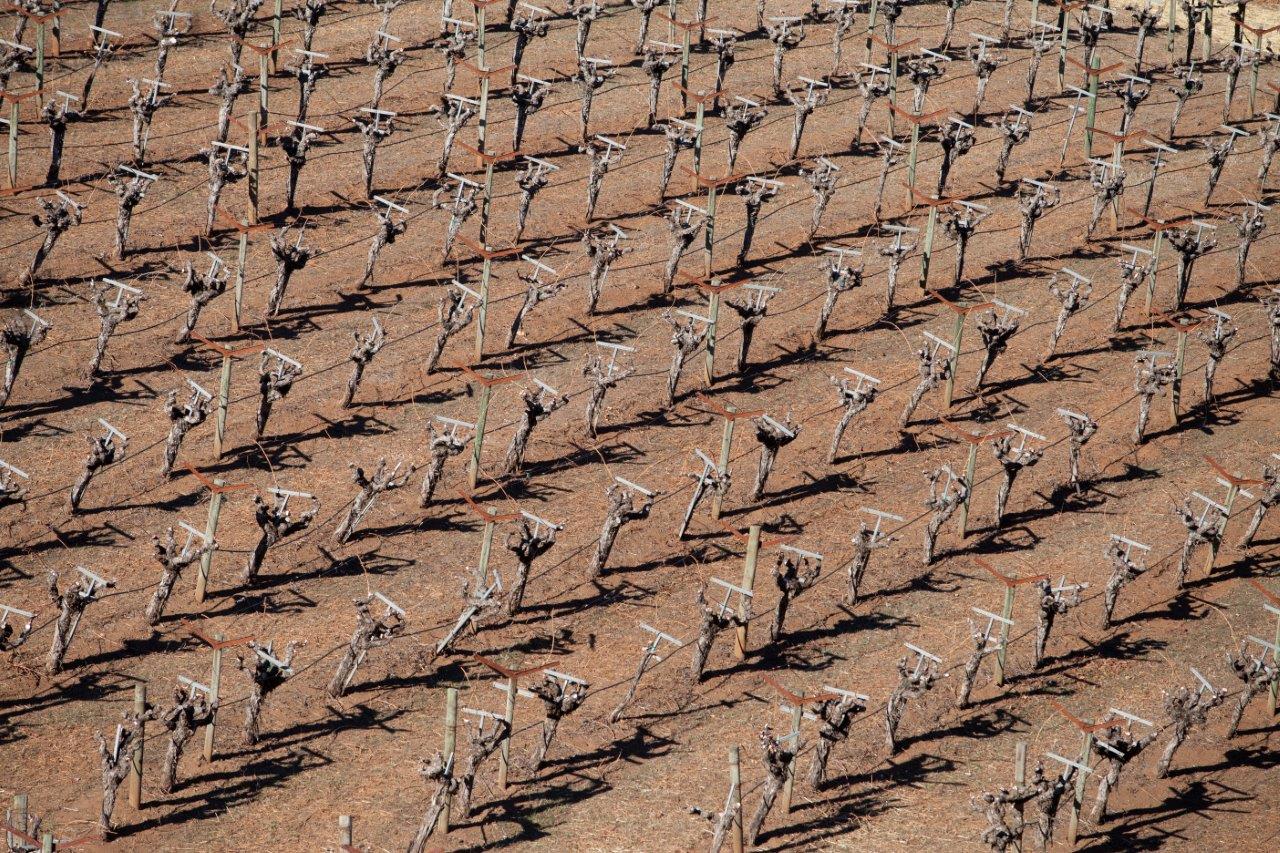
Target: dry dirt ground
pixel 629 785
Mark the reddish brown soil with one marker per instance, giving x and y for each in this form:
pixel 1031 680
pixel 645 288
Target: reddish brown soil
pixel 627 785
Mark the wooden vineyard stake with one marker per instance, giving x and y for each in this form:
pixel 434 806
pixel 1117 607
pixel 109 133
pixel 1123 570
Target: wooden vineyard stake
pixel 687 29
pixel 926 254
pixel 892 50
pixel 15 109
pixel 735 785
pixel 700 98
pixel 482 303
pixel 1257 33
pixel 253 166
pixel 1064 31
pixel 492 518
pixel 917 121
pixel 486 196
pixel 512 690
pixel 135 756
pixel 1157 227
pixel 798 711
pixel 244 229
pixel 224 385
pixel 346 832
pixel 41 22
pixel 957 335
pixel 266 57
pixel 216 643
pixel 450 745
pixel 217 488
pixel 712 186
pixel 747 590
pixel 974 440
pixel 1271 605
pixel 713 288
pixel 1019 779
pixel 1086 730
pixel 487 384
pixel 1235 487
pixel 1006 612
pixel 1183 325
pixel 485 76
pixel 731 416
pixel 1093 71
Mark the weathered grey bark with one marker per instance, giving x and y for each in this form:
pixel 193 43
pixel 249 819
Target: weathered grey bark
pixel 528 543
pixel 1257 675
pixel 603 248
pixel 1129 747
pixel 1124 571
pixel 792 576
pixel 984 65
pixel 713 618
pixel 1040 44
pixel 961 226
pixel 1249 225
pixel 956 140
pixel 1186 707
pixel 751 311
pixel 228 87
pixel 685 337
pixel 17 339
pixel 528 98
pixel 295 147
pixel 527 26
pixel 102 452
pixel 290 257
pixel 102 51
pixel 683 230
pixel 772 439
pixel 370 633
pixel 585 12
pixel 702 481
pixel 621 510
pixel 1190 85
pixel 385 60
pixel 439 772
pixel 785 35
pixel 1015 132
pixel 1270 145
pixel 370 487
pixel 646 657
pixel 1034 205
pixel 840 279
pixel 863 544
pixel 1272 304
pixel 309 12
pixel 896 252
pixel 1049 800
pixel 754 197
pixel 55 219
pixel 1132 274
pixel 943 502
pixel 740 120
pixel 996 330
pixel 454 313
pixel 117 760
pixel 484 743
pixel 444 446
pixel 71 604
pixel 590 79
pixel 1201 530
pixel 679 135
pixel 536 291
pixel 202 289
pixel 873 88
pixel 835 716
pixel 375 128
pixel 1216 341
pixel 804 107
pixel 855 401
pixel 307 75
pixel 190 712
pixel 646 8
pixel 56 116
pixel 274 383
pixel 131 192
pixel 111 313
pixel 1149 380
pixel 603 158
pixel 173 561
pixel 277 524
pixel 264 677
pixel 969 675
pixel 237 17
pixel 532 180
pixel 822 183
pixel 777 764
pixel 1270 497
pixel 144 106
pixel 538 406
pixel 1108 185
pixel 1051 606
pixel 1012 460
pixel 559 699
pixel 911 685
pixel 602 379
pixel 367 346
pixel 934 369
pixel 453 114
pixel 1218 155
pixel 458 42
pixel 225 167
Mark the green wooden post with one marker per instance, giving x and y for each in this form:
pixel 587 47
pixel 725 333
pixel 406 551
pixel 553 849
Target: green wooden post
pixel 251 182
pixel 215 684
pixel 239 286
pixel 135 756
pixel 748 583
pixel 263 73
pixel 797 714
pixel 893 90
pixel 46 842
pixel 713 314
pixel 1092 110
pixel 13 144
pixel 1019 779
pixel 709 233
pixel 699 117
pixel 1157 240
pixel 276 14
pixel 482 308
pixel 224 398
pixel 346 832
pixel 926 256
pixel 735 773
pixel 450 742
pixel 726 446
pixel 486 543
pixel 477 440
pixel 1062 47
pixel 957 335
pixel 1175 388
pixel 1275 658
pixel 1007 613
pixel 210 531
pixel 1206 46
pixel 911 156
pixel 1171 23
pixel 1077 800
pixel 970 469
pixel 504 754
pixel 19 817
pixel 684 72
pixel 40 30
